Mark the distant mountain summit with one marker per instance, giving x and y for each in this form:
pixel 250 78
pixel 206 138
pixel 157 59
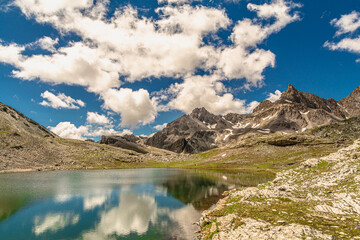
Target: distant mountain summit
pixel 294 111
pixel 352 102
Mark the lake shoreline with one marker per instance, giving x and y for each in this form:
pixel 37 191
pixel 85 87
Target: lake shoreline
pixel 20 170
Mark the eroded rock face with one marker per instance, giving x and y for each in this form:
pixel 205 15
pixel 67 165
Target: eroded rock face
pixel 294 112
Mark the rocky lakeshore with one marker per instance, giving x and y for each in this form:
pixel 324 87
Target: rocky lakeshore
pixel 318 199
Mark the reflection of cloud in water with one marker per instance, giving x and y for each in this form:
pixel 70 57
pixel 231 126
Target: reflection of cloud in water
pixel 53 222
pixel 97 198
pixel 93 202
pixel 133 214
pixel 183 217
pixel 62 198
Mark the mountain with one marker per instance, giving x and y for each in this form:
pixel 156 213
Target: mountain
pixel 125 142
pixel 352 102
pixel 27 146
pixel 293 112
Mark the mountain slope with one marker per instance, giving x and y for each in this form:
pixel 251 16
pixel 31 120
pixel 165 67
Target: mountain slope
pixel 14 121
pixel 26 145
pixel 352 102
pixel 293 112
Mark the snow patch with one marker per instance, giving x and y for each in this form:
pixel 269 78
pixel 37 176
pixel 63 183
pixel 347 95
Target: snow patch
pixel 303 130
pixel 264 131
pixel 288 101
pixel 227 135
pixel 305 113
pixel 240 125
pixel 268 117
pixel 223 155
pixel 255 125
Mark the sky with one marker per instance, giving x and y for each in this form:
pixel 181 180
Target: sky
pixel 87 68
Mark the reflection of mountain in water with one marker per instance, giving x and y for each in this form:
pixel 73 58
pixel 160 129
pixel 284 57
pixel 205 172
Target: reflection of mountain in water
pixel 205 188
pixel 9 206
pixel 201 192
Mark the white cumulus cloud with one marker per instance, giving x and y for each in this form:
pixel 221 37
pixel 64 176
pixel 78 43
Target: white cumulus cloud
pixel 95 118
pixel 204 91
pixel 48 43
pixel 134 107
pixel 129 47
pixel 346 24
pixel 160 126
pixel 60 101
pixel 273 97
pixel 70 131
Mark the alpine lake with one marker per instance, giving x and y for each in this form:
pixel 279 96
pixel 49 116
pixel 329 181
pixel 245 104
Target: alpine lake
pixel 113 204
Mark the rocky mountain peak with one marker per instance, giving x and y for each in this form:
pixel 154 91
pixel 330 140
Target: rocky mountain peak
pixel 203 115
pixel 199 112
pixel 292 94
pixel 356 93
pixel 352 102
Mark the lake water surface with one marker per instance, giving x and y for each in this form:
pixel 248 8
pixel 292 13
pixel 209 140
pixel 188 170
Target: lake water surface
pixel 112 204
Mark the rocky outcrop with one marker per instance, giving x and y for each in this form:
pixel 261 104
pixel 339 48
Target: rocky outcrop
pixel 293 112
pixel 126 142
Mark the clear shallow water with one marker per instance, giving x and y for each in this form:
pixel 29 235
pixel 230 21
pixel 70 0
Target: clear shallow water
pixel 112 204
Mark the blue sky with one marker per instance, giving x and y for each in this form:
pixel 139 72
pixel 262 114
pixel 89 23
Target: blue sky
pixel 86 68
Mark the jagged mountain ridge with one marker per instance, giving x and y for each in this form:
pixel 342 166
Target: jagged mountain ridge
pixel 294 111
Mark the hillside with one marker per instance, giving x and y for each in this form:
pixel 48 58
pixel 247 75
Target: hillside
pixel 27 146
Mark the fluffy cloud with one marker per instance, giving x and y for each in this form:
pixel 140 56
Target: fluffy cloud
pixel 60 101
pixel 244 59
pixel 135 107
pixel 76 64
pixel 10 53
pixel 48 43
pixel 70 131
pixel 174 1
pixel 347 24
pixel 132 47
pixel 160 127
pixel 205 92
pixel 95 118
pixel 33 7
pixel 273 97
